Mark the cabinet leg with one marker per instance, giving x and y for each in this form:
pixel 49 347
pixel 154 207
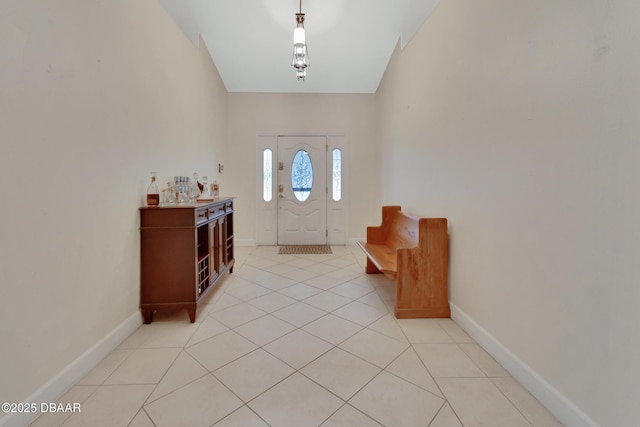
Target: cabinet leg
pixel 148 316
pixel 192 314
pixel 231 270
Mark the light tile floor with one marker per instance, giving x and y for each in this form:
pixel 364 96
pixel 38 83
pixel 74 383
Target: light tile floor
pixel 299 340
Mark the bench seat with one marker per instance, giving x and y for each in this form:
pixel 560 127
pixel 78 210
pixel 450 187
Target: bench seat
pixel 383 258
pixel 415 253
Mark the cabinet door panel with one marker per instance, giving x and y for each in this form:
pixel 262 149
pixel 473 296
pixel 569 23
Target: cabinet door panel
pixel 165 253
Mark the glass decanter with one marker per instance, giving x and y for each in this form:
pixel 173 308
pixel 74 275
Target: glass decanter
pixel 206 190
pixel 153 192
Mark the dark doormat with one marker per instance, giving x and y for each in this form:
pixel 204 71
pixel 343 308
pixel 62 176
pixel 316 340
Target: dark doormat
pixel 304 249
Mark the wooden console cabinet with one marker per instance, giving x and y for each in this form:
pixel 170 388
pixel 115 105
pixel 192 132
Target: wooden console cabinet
pixel 184 250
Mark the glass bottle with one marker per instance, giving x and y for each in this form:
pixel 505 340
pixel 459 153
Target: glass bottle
pixel 216 189
pixel 194 190
pixel 200 185
pixel 153 192
pixel 169 194
pixel 206 190
pixel 182 189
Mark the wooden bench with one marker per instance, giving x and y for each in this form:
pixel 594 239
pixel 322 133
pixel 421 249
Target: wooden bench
pixel 415 253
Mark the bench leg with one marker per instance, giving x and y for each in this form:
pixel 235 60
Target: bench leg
pixel 371 268
pixel 422 287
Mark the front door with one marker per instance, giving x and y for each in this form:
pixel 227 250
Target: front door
pixel 302 190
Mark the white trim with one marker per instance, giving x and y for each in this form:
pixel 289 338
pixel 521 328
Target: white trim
pixel 338 211
pixel 266 234
pixel 558 404
pixel 353 240
pixel 74 371
pixel 244 242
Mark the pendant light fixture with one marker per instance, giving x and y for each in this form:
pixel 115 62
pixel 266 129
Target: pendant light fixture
pixel 300 59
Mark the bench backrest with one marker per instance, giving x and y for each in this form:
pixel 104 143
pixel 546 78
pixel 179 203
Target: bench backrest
pixel 403 231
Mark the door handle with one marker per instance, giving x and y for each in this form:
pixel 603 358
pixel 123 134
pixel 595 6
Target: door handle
pixel 280 189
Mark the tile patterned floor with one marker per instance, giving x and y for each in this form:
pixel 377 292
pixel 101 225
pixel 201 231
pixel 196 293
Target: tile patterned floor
pixel 299 340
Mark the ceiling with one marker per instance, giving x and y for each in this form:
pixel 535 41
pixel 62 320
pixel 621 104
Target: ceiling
pixel 350 42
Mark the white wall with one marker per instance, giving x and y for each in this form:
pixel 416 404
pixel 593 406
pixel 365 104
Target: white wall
pixel 518 121
pixel 93 96
pixel 251 114
pixel 515 120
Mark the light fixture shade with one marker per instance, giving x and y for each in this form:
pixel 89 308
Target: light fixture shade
pixel 299 36
pixel 300 56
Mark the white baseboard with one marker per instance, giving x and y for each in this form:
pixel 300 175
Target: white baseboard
pixel 561 407
pixel 244 242
pixel 73 372
pixel 252 242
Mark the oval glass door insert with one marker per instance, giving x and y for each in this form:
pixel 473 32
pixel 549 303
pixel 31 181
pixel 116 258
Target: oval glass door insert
pixel 301 175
